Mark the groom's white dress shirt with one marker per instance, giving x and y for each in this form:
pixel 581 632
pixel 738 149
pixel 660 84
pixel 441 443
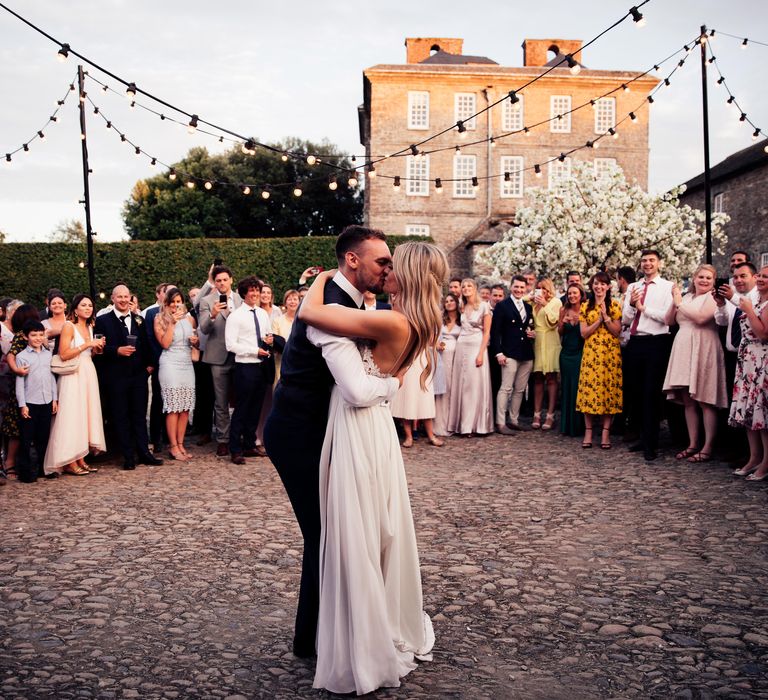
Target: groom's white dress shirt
pixel 343 360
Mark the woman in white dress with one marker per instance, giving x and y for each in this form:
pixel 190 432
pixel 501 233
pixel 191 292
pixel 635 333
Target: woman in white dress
pixel 371 623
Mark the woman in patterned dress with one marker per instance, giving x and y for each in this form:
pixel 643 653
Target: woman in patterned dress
pixel 749 409
pixel 175 331
pixel 600 378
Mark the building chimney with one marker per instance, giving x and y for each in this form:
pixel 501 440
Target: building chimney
pixel 418 49
pixel 535 50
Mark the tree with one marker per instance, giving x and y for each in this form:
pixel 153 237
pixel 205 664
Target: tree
pixel 2 236
pixel 160 208
pixel 71 231
pixel 595 223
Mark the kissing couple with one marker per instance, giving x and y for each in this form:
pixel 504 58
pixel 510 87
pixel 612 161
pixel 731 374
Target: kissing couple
pixel 333 442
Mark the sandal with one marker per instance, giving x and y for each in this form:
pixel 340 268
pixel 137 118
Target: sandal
pixel 437 442
pixel 586 444
pixel 687 452
pixel 606 445
pixel 754 477
pixel 74 469
pixel 549 422
pixel 745 470
pixel 408 442
pixel 536 421
pixel 700 457
pixel 173 455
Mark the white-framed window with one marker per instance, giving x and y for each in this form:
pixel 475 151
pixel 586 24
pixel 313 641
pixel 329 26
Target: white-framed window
pixel 512 115
pixel 718 203
pixel 605 114
pixel 558 106
pixel 464 169
pixel 603 166
pixel 763 261
pixel 418 110
pixel 514 166
pixel 417 229
pixel 559 172
pixel 417 169
pixel 465 107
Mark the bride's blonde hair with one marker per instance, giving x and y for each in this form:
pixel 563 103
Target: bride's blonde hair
pixel 421 270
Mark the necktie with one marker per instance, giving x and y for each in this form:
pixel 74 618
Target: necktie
pixel 736 329
pixel 258 327
pixel 124 321
pixel 633 327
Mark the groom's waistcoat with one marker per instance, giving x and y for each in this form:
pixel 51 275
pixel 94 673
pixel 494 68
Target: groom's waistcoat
pixel 305 381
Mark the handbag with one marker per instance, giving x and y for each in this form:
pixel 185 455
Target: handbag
pixel 62 367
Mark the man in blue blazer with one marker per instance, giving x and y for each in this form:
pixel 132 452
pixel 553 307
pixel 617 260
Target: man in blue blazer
pixel 511 344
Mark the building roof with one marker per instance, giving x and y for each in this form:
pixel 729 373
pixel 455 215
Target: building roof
pixel 746 159
pixel 444 57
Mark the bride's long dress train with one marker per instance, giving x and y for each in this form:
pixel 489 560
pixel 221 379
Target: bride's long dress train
pixel 371 624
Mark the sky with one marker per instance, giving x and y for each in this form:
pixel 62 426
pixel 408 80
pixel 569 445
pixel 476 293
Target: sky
pixel 278 69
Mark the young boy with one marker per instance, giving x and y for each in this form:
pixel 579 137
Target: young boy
pixel 38 401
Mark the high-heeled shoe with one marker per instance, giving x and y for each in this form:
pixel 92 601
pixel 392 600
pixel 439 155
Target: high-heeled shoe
pixel 436 441
pixel 174 456
pixel 536 424
pixel 605 443
pixel 549 422
pixel 586 444
pixel 74 470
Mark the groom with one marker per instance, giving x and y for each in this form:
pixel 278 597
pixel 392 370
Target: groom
pixel 294 431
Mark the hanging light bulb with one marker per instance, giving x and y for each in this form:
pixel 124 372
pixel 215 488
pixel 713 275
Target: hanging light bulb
pixel 637 17
pixel 506 176
pixel 332 184
pixel 153 162
pixel 133 104
pixel 744 43
pixel 208 185
pixel 81 265
pixel 297 192
pixel 83 95
pixel 63 53
pixel 130 93
pixel 513 98
pixel 265 193
pixel 526 131
pixel 650 99
pixel 246 190
pixel 561 157
pixel 108 125
pixel 711 60
pixel 192 126
pixel 720 80
pixel 731 100
pixel 743 117
pixel 666 82
pixel 396 183
pixel 414 149
pixel 190 184
pixel 537 170
pixel 438 185
pixel 26 147
pixel 475 183
pixel 284 157
pixel 625 87
pixel 458 150
pixel 756 135
pixel 102 295
pixel 104 88
pixel 353 159
pixel 311 160
pixel 8 158
pixel 633 116
pixel 573 66
pixel 493 142
pixel 613 132
pixel 41 135
pixel 461 129
pixel 687 48
pixel 137 151
pixel 371 171
pixel 352 182
pixel 172 174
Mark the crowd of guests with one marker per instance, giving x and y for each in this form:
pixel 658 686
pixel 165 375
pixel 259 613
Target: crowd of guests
pixel 604 353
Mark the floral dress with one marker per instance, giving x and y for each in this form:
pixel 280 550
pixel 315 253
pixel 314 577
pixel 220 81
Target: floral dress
pixel 600 377
pixel 11 416
pixel 750 387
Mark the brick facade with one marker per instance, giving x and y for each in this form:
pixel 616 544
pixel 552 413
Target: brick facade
pixel 453 220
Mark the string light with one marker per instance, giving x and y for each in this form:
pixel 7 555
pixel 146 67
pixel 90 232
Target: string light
pixel 192 126
pixel 332 184
pixel 191 184
pixel 396 183
pixel 756 135
pixel 458 150
pixel 265 193
pixel 537 170
pixel 573 66
pixel 41 135
pixel 506 176
pixel 246 190
pixel 138 151
pixel 438 185
pixel 297 192
pixel 414 150
pixel 153 162
pixel 352 182
pixel 745 43
pixel 311 160
pixel 63 53
pixel 284 157
pixel 637 17
pixel 208 185
pixel 131 91
pixel 172 174
pixel 461 129
pixel 633 116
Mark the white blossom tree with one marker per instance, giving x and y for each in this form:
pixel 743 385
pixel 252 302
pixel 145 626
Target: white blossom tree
pixel 592 223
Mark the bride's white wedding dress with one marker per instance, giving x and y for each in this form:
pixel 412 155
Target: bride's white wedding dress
pixel 371 624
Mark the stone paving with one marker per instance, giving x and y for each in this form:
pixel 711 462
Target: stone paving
pixel 550 572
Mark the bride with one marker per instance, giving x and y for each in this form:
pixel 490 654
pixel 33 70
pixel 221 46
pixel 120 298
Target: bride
pixel 371 624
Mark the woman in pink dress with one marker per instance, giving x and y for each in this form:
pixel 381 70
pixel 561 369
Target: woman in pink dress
pixel 471 407
pixel 77 427
pixel 696 369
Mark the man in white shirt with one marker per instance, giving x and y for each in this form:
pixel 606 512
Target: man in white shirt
pixel 248 336
pixel 646 304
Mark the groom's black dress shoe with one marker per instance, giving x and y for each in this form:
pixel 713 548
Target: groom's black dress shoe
pixel 150 460
pixel 304 650
pixel 129 464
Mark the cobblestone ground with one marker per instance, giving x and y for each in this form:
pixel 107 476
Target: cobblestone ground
pixel 550 572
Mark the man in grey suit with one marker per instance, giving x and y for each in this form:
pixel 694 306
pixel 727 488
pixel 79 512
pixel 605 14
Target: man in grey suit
pixel 213 312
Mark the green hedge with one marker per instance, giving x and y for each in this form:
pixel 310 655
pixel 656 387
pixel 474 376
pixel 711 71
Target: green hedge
pixel 28 270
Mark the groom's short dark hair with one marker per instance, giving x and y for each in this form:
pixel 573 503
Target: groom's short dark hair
pixel 352 236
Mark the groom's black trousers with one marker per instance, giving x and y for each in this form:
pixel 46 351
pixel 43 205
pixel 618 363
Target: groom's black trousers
pixel 294 447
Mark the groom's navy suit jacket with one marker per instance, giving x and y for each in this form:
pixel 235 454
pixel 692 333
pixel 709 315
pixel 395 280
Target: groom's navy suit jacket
pixel 508 331
pixel 293 438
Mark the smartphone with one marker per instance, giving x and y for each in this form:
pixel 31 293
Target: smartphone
pixel 218 261
pixel 222 298
pixel 317 269
pixel 720 282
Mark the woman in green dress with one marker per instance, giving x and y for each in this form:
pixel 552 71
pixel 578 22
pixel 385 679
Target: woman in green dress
pixel 572 345
pixel 599 391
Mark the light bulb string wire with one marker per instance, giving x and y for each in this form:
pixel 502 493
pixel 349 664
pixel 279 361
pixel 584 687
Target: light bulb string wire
pixel 529 127
pixel 225 130
pixel 527 84
pixel 188 176
pixel 589 144
pixel 51 120
pixel 731 97
pixel 717 32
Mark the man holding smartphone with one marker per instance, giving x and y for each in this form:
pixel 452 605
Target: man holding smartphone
pixel 214 310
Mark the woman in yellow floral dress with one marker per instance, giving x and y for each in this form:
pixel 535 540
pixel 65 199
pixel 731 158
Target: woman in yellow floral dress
pixel 600 379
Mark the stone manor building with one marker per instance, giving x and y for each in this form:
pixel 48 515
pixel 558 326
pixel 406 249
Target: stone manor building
pixel 438 86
